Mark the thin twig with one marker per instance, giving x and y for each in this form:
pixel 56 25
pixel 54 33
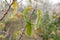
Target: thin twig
pixel 6 2
pixel 6 11
pixel 22 33
pixel 20 1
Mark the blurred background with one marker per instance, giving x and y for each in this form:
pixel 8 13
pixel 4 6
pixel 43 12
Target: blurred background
pixel 12 24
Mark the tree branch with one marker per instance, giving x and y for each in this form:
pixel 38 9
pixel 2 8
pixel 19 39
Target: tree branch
pixel 6 2
pixel 6 11
pixel 22 33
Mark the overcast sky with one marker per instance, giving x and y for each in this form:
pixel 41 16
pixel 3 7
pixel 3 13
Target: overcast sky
pixel 54 1
pixel 51 1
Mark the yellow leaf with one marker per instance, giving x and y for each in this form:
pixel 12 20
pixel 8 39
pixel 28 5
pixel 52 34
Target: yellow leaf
pixel 29 8
pixel 2 25
pixel 15 4
pixel 19 15
pixel 38 30
pixel 16 33
pixel 14 18
pixel 2 36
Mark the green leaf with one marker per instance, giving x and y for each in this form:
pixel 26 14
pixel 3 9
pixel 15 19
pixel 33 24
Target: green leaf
pixel 26 11
pixel 39 12
pixel 28 28
pixel 27 20
pixel 46 18
pixel 57 37
pixel 38 19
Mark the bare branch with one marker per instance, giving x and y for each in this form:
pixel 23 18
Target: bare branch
pixel 20 1
pixel 22 33
pixel 6 2
pixel 7 11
